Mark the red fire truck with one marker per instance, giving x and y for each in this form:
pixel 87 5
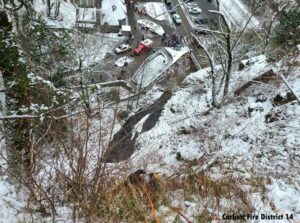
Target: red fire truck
pixel 143 46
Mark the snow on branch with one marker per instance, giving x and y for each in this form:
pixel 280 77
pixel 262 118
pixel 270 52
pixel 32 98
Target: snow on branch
pixel 6 117
pixel 118 83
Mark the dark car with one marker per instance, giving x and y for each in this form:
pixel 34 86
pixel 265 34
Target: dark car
pixel 200 20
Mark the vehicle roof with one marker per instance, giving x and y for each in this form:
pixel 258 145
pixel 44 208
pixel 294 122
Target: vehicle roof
pixel 126 28
pixel 191 3
pixel 147 42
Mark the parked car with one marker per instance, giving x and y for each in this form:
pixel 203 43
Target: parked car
pixel 195 10
pixel 123 61
pixel 177 18
pixel 122 48
pixel 191 4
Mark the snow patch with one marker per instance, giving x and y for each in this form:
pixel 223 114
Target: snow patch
pixel 86 15
pixel 156 10
pixel 65 19
pixel 113 11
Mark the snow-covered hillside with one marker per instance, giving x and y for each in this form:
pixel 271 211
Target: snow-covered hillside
pixel 92 131
pixel 250 136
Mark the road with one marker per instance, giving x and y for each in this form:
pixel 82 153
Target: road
pixel 185 28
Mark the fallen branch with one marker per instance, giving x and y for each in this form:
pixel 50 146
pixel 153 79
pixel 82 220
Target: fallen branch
pixel 289 86
pixel 150 203
pixel 18 117
pixel 182 215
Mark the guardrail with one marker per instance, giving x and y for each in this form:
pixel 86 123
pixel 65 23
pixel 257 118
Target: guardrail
pixel 147 60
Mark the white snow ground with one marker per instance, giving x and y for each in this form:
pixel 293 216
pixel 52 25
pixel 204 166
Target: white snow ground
pixel 113 11
pixel 86 15
pixel 11 203
pixel 65 19
pixel 156 10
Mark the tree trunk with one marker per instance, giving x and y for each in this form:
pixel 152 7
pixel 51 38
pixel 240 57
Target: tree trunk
pixel 48 8
pixel 16 131
pixel 229 64
pixel 57 8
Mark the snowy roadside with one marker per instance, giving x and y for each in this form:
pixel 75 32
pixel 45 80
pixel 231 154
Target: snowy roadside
pixel 238 14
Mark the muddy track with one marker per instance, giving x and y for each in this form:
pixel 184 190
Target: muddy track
pixel 122 145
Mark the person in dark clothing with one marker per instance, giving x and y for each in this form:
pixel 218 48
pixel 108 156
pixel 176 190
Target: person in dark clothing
pixel 137 178
pixel 143 37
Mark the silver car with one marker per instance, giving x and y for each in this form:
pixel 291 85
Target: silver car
pixel 177 18
pixel 122 48
pixel 191 4
pixel 195 10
